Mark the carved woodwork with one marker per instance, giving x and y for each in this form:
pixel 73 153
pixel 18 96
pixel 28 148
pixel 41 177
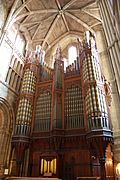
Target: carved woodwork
pixel 67 118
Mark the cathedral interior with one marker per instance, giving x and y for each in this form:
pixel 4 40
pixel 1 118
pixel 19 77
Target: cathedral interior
pixel 59 89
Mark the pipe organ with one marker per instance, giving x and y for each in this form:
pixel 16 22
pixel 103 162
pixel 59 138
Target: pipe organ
pixel 74 116
pixel 62 123
pixel 43 111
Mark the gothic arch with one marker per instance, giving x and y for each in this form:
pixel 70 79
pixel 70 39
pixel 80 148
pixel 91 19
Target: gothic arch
pixel 6 129
pixel 7 115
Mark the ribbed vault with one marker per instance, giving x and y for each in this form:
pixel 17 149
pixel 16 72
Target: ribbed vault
pixel 48 22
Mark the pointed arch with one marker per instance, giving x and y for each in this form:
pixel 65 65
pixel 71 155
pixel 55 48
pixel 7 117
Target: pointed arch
pixel 6 129
pixel 7 113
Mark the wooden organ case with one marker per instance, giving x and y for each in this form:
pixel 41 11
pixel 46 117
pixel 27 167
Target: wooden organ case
pixel 62 125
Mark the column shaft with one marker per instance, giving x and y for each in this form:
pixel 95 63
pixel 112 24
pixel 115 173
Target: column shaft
pixel 109 36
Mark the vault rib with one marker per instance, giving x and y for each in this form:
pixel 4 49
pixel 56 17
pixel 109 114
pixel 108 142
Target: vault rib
pixel 37 22
pixel 96 24
pixel 80 22
pixel 62 14
pixel 88 4
pixel 62 36
pixel 50 30
pixel 20 8
pixel 65 22
pixel 36 30
pixel 26 6
pixel 84 10
pixel 25 19
pixel 57 40
pixel 58 4
pixel 34 12
pixel 38 40
pixel 92 15
pixel 31 27
pixel 69 4
pixel 40 23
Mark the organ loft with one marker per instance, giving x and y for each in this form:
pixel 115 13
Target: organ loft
pixel 62 126
pixel 59 90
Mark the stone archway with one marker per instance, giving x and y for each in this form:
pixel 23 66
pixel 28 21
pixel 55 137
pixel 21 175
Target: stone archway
pixel 6 129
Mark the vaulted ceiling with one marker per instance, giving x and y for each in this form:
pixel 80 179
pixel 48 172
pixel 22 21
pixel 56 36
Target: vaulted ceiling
pixel 49 22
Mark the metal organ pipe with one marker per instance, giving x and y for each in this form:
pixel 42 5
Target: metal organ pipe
pixel 24 114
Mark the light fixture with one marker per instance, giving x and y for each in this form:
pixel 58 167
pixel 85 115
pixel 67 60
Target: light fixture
pixel 118 169
pixel 6 172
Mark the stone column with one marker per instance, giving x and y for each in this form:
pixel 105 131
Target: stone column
pixel 112 38
pixel 108 71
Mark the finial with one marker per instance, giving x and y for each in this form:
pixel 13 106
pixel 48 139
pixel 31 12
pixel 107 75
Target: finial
pixel 58 54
